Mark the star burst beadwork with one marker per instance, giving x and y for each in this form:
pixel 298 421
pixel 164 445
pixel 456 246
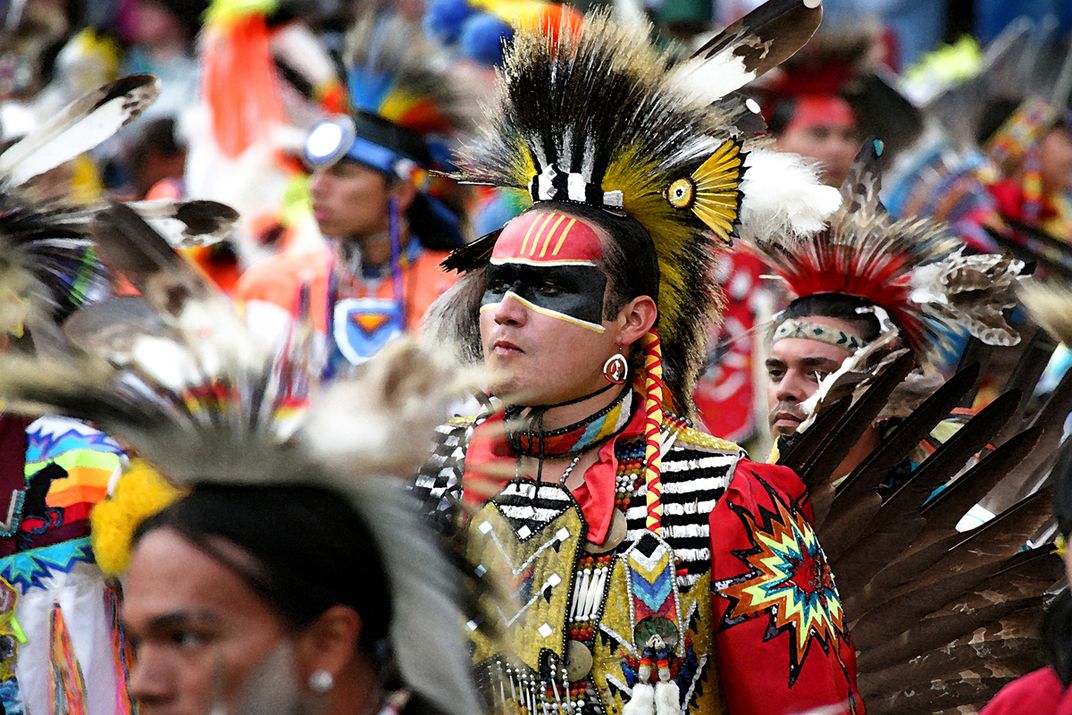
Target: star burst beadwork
pixel 789 578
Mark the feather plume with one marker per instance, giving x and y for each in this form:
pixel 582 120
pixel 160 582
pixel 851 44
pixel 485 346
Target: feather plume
pixel 394 72
pixel 909 395
pixel 296 46
pixel 349 419
pixel 109 329
pixel 77 128
pixel 51 268
pixel 758 42
pixel 47 269
pixel 186 224
pixel 194 397
pixel 970 291
pixel 1050 306
pixel 783 196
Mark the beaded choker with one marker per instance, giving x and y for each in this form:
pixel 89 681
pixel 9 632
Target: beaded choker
pixel 572 439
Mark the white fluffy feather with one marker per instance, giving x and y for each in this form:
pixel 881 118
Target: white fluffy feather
pixel 642 701
pixel 782 193
pixel 707 81
pixel 383 420
pixel 667 699
pixel 300 49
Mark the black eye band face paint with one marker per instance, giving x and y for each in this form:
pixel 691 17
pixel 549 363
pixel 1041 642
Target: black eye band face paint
pixel 572 293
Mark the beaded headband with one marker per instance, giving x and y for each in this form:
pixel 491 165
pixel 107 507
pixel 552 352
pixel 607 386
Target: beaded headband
pixel 823 333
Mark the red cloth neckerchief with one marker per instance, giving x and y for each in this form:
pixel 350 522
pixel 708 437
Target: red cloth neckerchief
pixel 489 457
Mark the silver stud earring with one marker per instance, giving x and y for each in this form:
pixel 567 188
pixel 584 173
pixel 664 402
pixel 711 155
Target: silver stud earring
pixel 321 681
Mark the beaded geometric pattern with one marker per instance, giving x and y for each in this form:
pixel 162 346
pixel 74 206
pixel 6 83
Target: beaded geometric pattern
pixel 643 584
pixel 534 562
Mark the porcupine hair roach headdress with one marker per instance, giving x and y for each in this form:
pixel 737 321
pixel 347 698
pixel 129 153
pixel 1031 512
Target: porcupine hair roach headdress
pixel 913 269
pixel 598 117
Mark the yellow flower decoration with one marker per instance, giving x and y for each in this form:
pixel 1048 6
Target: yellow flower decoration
pixel 140 493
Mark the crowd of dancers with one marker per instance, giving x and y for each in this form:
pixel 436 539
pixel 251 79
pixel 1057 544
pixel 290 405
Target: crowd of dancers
pixel 511 357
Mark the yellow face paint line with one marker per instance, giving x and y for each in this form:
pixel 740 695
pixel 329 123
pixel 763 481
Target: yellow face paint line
pixel 550 235
pixel 536 239
pixel 525 241
pixel 562 238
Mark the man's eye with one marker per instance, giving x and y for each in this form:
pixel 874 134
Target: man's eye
pixel 189 639
pixel 550 289
pixel 775 373
pixel 819 375
pixel 497 286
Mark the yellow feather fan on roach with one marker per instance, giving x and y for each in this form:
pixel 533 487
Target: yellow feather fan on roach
pixel 600 116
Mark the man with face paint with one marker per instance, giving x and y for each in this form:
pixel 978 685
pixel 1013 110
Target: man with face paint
pixel 388 222
pixel 634 542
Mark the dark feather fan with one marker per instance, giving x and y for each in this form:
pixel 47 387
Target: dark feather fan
pixel 941 618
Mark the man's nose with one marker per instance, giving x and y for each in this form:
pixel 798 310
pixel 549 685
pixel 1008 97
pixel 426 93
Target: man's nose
pixel 148 683
pixel 319 183
pixel 511 311
pixel 795 387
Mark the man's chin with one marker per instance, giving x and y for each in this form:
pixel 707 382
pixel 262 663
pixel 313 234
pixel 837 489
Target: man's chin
pixel 510 392
pixel 784 428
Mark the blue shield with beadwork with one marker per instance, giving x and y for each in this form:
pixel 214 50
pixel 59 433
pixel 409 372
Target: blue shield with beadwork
pixel 362 326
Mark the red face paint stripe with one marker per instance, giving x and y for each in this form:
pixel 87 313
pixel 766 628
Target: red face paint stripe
pixel 562 238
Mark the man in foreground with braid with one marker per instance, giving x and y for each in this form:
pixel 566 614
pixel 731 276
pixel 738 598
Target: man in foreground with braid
pixel 656 568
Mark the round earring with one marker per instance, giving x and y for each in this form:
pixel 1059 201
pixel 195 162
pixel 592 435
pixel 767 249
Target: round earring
pixel 321 681
pixel 616 369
